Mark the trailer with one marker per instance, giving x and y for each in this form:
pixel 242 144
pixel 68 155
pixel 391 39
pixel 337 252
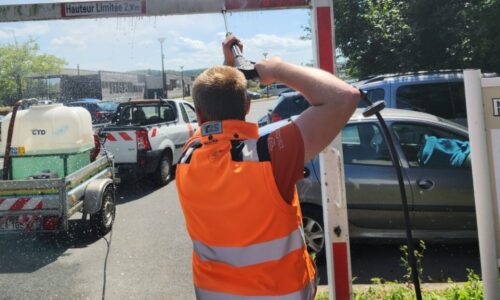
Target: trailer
pixel 46 205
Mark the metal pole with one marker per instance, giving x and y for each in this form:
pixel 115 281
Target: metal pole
pixel 182 80
pixel 481 179
pixel 267 86
pixel 164 77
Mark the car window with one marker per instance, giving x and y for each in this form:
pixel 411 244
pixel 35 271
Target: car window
pixel 431 146
pixel 184 114
pixel 139 115
pixel 373 95
pixel 364 144
pixel 168 112
pixel 191 113
pixel 446 100
pixel 291 106
pixel 150 111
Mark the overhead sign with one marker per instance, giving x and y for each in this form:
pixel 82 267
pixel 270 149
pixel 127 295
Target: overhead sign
pixel 496 107
pixel 103 8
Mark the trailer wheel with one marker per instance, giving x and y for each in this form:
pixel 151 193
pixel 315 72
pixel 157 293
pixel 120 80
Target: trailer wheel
pixel 102 221
pixel 163 173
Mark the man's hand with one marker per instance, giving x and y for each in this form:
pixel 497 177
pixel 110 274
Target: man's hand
pixel 267 70
pixel 226 48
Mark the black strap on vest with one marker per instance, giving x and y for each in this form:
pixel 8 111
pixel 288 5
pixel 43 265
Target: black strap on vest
pixel 250 150
pixel 241 150
pixel 188 153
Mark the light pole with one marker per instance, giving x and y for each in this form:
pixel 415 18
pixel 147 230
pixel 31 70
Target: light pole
pixel 182 80
pixel 267 86
pixel 164 77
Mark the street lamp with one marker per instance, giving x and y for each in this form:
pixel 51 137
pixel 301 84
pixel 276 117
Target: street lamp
pixel 267 86
pixel 164 76
pixel 182 80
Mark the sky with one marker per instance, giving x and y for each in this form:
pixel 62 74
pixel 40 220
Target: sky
pixel 191 41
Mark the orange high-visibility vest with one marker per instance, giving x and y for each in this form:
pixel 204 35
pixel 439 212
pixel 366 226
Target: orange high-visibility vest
pixel 248 243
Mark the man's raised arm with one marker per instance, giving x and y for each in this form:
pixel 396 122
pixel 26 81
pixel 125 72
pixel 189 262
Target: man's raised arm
pixel 333 101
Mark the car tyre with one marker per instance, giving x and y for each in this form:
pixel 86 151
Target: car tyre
pixel 163 173
pixel 314 232
pixel 102 221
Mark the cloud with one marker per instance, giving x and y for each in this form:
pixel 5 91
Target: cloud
pixel 24 30
pixel 67 41
pixel 132 43
pixel 291 49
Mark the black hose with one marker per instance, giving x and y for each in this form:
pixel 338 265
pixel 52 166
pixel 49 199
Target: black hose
pixel 375 109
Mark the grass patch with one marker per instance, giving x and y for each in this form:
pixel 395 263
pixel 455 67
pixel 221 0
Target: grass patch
pixel 470 290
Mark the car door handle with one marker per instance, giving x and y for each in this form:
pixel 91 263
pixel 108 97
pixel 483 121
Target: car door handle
pixel 425 184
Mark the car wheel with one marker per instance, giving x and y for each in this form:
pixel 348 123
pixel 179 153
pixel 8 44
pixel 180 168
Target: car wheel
pixel 102 221
pixel 314 233
pixel 163 173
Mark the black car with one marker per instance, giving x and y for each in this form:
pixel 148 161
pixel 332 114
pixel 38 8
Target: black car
pixel 288 104
pixel 100 111
pixel 253 95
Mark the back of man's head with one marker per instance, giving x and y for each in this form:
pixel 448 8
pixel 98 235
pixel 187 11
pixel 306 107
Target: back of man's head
pixel 219 93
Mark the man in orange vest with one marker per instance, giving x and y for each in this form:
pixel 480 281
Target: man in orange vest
pixel 237 189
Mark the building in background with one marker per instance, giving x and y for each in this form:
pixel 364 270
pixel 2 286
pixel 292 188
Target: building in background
pixel 72 84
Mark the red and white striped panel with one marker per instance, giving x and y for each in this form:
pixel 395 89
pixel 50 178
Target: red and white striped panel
pixel 118 136
pixel 17 204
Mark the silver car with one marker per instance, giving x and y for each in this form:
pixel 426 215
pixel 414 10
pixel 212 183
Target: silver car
pixel 438 185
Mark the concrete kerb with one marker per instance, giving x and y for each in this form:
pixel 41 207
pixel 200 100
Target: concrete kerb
pixel 425 286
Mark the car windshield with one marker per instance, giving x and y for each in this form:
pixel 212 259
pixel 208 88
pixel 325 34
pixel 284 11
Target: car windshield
pixel 108 106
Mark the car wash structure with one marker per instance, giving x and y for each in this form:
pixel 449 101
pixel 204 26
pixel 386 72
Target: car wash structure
pixel 333 185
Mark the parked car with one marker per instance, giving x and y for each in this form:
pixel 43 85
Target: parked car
pixel 253 95
pixel 440 193
pixel 45 102
pixel 290 90
pixel 265 119
pixel 100 111
pixel 108 109
pixel 146 137
pixel 274 89
pixel 440 93
pixel 287 105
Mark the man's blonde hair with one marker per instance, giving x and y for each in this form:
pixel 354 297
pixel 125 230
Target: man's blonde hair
pixel 219 93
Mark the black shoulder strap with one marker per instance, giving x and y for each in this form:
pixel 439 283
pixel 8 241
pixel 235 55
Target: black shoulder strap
pixel 188 152
pixel 250 150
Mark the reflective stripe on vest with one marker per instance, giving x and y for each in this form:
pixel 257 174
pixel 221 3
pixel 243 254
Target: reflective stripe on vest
pixel 306 293
pixel 251 255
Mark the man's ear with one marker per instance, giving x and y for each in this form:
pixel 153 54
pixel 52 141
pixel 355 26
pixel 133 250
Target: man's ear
pixel 247 105
pixel 198 117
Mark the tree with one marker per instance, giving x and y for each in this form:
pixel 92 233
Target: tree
pixel 385 36
pixel 17 62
